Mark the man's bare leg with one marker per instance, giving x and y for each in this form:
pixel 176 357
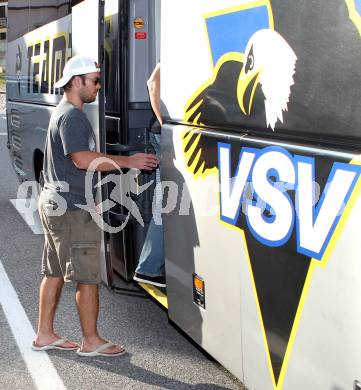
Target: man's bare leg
pixel 50 291
pixel 87 299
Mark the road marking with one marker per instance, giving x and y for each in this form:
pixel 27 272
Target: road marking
pixel 3 133
pixel 39 364
pixel 27 208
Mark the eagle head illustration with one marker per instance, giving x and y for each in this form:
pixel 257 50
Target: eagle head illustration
pixel 249 90
pixel 270 62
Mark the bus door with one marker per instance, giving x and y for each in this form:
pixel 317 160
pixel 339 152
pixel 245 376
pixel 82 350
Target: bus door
pixel 130 52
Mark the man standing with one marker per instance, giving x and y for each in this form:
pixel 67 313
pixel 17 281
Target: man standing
pixel 72 239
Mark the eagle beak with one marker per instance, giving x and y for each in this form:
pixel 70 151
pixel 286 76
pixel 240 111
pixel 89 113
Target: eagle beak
pixel 246 88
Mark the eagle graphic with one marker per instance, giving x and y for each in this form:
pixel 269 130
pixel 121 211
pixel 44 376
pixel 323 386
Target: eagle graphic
pixel 260 84
pixel 297 78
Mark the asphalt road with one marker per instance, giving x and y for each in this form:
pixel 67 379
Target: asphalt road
pixel 158 357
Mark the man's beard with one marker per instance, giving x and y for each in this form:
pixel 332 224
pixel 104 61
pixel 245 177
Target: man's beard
pixel 87 98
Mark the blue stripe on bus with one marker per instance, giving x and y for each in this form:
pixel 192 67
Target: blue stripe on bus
pixel 231 32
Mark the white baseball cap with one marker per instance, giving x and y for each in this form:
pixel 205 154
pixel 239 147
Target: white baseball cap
pixel 75 66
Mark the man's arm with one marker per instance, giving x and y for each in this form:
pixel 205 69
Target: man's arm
pixel 153 85
pixel 82 160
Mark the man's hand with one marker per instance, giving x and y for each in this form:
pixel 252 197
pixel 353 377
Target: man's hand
pixel 145 161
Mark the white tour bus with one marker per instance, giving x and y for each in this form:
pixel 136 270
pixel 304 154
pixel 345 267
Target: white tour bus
pixel 260 165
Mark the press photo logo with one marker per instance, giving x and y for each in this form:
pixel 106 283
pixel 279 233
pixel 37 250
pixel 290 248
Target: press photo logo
pixel 123 189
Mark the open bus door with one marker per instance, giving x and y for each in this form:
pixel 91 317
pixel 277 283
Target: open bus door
pixel 131 50
pixel 127 50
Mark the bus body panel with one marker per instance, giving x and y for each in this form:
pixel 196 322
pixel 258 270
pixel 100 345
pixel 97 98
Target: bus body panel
pixel 34 62
pixel 189 251
pixel 285 245
pixel 275 317
pixel 297 82
pixel 27 125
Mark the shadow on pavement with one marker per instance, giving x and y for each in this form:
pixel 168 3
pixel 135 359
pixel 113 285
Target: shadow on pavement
pixel 122 366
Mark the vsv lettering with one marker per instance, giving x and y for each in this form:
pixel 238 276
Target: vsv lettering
pixel 272 213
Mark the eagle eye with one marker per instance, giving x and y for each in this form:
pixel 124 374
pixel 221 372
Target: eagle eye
pixel 250 61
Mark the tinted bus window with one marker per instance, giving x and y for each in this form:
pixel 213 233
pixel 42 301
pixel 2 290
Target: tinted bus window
pixel 18 18
pixel 111 49
pixel 28 15
pixel 75 2
pixel 43 12
pixel 3 11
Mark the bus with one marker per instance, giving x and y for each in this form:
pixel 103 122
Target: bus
pixel 260 165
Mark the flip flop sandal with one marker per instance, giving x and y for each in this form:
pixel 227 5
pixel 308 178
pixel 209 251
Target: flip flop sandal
pixel 99 351
pixel 55 345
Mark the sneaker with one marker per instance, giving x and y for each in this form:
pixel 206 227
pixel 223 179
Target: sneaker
pixel 158 281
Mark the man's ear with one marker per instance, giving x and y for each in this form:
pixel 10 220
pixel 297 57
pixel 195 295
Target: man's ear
pixel 77 81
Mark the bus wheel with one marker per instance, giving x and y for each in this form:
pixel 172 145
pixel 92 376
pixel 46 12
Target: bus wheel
pixel 38 172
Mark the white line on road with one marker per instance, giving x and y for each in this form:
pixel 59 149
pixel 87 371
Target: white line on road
pixel 39 364
pixel 3 133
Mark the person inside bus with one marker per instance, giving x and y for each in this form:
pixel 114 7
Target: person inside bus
pixel 72 237
pixel 151 268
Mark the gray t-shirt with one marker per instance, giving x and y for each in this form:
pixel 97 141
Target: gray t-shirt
pixel 69 131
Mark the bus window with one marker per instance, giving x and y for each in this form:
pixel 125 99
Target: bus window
pixel 18 19
pixel 43 12
pixel 75 2
pixel 3 11
pixel 111 52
